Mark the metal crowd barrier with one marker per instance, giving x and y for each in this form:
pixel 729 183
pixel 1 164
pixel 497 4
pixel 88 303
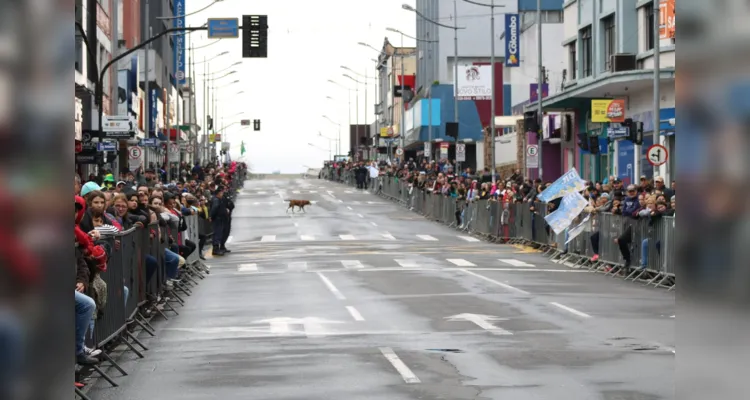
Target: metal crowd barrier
pixel 649 243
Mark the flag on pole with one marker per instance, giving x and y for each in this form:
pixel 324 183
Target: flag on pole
pixel 242 148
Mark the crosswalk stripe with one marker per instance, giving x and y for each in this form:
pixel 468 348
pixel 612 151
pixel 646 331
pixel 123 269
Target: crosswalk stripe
pixel 247 267
pixel 261 192
pixel 313 191
pixel 347 237
pixel 406 263
pixel 268 238
pixel 352 264
pixel 461 262
pixel 348 192
pixel 297 266
pixel 426 237
pixel 469 238
pixel 307 237
pixel 389 236
pixel 256 203
pixel 516 263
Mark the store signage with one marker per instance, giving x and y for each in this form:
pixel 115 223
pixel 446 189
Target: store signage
pixel 179 59
pixel 611 110
pixel 474 82
pixel 512 43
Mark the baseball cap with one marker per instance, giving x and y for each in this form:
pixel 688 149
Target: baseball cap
pixel 631 187
pixel 89 187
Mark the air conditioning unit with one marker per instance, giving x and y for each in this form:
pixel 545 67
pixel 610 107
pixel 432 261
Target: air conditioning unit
pixel 622 62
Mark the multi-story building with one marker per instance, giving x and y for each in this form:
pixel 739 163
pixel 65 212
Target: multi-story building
pixel 610 56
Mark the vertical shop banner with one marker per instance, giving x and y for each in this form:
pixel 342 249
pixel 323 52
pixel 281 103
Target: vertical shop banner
pixel 666 19
pixel 512 42
pixel 123 92
pixel 179 58
pixel 153 99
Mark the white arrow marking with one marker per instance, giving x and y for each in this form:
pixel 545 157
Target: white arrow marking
pixel 313 326
pixel 268 238
pixel 347 237
pixel 295 191
pixel 481 321
pixel 469 238
pixel 307 237
pixel 313 191
pixel 515 263
pixel 407 263
pixel 355 314
pixel 261 192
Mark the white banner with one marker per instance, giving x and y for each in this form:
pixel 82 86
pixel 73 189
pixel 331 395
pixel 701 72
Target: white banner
pixel 474 82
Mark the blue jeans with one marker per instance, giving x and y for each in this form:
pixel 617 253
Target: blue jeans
pixel 172 261
pixel 11 350
pixel 644 251
pixel 85 307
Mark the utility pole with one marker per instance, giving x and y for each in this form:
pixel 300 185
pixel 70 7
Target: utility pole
pixel 367 126
pixel 657 95
pixel 146 79
pixel 402 125
pixel 455 77
pixel 492 82
pixel 539 85
pixel 204 144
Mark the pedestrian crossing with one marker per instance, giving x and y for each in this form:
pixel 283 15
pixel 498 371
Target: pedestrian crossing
pixel 390 264
pixel 360 237
pixel 281 202
pixel 300 191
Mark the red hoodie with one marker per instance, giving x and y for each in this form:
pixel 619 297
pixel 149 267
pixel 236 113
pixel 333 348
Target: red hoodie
pixel 84 241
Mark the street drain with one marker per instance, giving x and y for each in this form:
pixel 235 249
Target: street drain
pixel 447 350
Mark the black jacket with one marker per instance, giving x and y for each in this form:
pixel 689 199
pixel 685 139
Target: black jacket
pixel 219 209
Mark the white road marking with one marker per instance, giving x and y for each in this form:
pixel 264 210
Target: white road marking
pixel 360 215
pixel 297 266
pixel 348 207
pixel 341 201
pixel 461 262
pixel 516 263
pixel 330 193
pixel 295 191
pixel 278 327
pixel 296 225
pixel 427 237
pixel 482 321
pixel 348 192
pixel 247 267
pixel 352 264
pixel 498 283
pixel 229 239
pixel 388 236
pixel 570 310
pixel 402 369
pixel 347 237
pixel 355 314
pixel 268 238
pixel 256 203
pixel 307 237
pixel 261 192
pixel 374 224
pixel 331 287
pixel 313 191
pixel 469 238
pixel 356 202
pixel 406 263
pixel 374 202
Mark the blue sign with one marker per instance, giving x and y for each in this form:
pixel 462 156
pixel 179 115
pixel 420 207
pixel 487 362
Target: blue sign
pixel 150 142
pixel 512 40
pixel 153 111
pixel 617 132
pixel 106 146
pixel 219 28
pixel 179 43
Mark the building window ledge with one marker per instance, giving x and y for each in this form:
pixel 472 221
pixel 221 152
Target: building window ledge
pixel 569 84
pixel 650 53
pixel 568 3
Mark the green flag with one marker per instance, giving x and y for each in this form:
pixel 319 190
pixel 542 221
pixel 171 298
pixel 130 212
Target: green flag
pixel 242 148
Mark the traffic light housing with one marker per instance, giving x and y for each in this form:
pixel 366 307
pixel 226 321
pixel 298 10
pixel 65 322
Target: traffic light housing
pixel 594 144
pixel 254 36
pixel 531 121
pixel 635 130
pixel 256 125
pixel 583 141
pixel 210 123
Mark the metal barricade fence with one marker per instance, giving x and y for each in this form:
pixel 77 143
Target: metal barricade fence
pixel 650 244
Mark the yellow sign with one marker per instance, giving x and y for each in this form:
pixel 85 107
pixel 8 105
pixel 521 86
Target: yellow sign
pixel 384 132
pixel 212 138
pixel 612 110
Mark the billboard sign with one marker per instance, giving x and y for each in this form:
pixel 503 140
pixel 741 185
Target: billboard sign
pixel 179 51
pixel 512 42
pixel 474 82
pixel 609 110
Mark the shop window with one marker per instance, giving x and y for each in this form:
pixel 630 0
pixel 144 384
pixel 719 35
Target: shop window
pixel 648 20
pixel 610 40
pixel 573 60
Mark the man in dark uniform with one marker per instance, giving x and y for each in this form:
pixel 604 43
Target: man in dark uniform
pixel 228 224
pixel 219 219
pixel 360 174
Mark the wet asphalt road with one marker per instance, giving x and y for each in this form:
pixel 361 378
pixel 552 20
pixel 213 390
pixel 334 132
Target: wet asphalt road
pixel 362 299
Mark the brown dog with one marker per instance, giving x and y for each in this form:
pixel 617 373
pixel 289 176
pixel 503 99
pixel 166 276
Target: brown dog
pixel 298 203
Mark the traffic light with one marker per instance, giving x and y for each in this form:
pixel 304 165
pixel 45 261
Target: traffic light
pixel 256 125
pixel 635 130
pixel 594 144
pixel 210 123
pixel 531 121
pixel 451 129
pixel 254 36
pixel 583 141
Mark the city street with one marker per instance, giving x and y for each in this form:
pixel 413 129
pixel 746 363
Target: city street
pixel 359 298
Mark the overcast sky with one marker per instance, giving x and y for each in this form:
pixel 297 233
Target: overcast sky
pixel 308 43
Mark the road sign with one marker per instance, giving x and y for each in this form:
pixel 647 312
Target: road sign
pixel 106 146
pixel 135 153
pixel 223 28
pixel 190 148
pixel 532 156
pixel 657 155
pixel 427 149
pixel 180 75
pixel 149 142
pixel 460 152
pixel 399 151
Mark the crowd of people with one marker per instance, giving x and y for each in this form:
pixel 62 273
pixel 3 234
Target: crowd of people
pixel 648 199
pixel 144 199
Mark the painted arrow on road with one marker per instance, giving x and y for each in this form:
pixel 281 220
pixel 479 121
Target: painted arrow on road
pixel 482 321
pixel 313 326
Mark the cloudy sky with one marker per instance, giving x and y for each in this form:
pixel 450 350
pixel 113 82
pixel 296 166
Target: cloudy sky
pixel 309 41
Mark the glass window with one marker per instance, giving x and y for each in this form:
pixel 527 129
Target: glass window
pixel 573 60
pixel 610 43
pixel 649 26
pixel 586 51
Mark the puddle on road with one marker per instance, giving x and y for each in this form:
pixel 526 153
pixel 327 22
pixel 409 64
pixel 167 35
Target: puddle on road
pixel 447 350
